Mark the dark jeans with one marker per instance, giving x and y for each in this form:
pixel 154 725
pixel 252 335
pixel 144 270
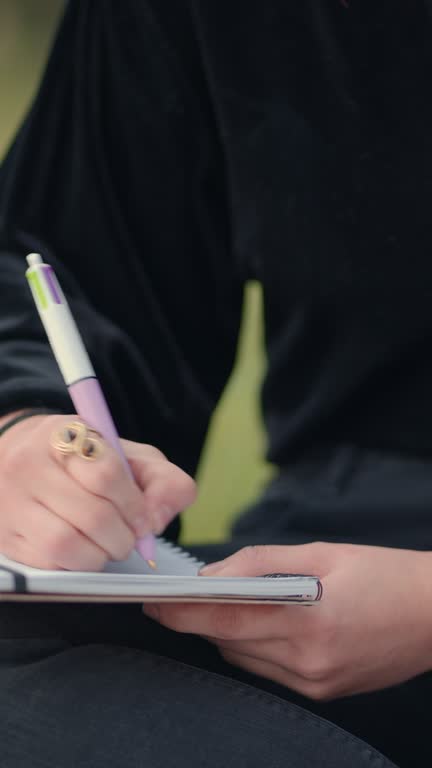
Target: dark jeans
pixel 104 687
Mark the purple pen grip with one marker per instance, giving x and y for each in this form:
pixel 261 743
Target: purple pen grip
pixel 90 404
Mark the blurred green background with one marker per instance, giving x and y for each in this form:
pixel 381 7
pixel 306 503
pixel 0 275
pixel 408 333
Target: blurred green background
pixel 232 469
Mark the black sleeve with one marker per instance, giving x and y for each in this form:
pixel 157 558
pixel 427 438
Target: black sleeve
pixel 117 178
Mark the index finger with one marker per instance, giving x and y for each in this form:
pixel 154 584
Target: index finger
pixel 229 621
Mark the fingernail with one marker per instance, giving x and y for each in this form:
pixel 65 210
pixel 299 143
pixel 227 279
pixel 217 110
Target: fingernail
pixel 210 570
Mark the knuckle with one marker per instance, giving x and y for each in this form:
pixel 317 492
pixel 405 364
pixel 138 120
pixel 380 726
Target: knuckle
pixel 14 460
pixel 256 553
pixel 153 453
pixel 318 690
pixel 314 668
pixel 188 489
pixel 104 474
pixel 320 548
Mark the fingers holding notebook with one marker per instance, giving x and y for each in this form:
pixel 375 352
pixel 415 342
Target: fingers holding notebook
pixel 342 648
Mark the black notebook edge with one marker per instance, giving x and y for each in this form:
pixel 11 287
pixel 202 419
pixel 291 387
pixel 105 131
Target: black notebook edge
pixel 20 581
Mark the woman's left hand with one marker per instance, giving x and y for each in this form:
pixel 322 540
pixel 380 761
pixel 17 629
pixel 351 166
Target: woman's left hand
pixel 372 628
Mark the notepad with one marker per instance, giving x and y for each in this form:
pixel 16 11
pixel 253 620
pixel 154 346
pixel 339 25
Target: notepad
pixel 175 580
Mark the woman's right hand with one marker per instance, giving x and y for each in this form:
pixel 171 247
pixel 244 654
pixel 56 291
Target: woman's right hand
pixel 63 512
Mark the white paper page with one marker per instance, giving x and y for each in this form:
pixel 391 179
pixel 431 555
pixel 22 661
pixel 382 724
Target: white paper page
pixel 170 560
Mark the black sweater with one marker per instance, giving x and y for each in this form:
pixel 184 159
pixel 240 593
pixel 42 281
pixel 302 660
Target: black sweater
pixel 178 148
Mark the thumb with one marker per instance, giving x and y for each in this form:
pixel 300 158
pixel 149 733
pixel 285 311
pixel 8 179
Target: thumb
pixel 309 559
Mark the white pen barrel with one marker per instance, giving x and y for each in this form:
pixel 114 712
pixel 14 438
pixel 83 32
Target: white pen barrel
pixel 57 319
pixel 66 343
pixel 74 363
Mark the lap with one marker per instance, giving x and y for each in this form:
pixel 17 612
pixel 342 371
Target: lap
pixel 81 654
pixel 65 705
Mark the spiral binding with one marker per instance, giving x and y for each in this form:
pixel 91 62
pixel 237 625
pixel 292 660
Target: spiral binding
pixel 180 551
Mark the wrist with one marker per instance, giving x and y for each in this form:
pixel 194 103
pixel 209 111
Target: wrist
pixel 9 416
pixel 17 417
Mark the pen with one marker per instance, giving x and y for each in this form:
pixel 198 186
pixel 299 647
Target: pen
pixel 75 366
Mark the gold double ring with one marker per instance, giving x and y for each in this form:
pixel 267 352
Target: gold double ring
pixel 76 437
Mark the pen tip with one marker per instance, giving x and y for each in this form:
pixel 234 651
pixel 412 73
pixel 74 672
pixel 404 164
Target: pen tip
pixel 152 564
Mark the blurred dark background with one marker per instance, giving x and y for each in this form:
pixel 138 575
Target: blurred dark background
pixel 232 469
